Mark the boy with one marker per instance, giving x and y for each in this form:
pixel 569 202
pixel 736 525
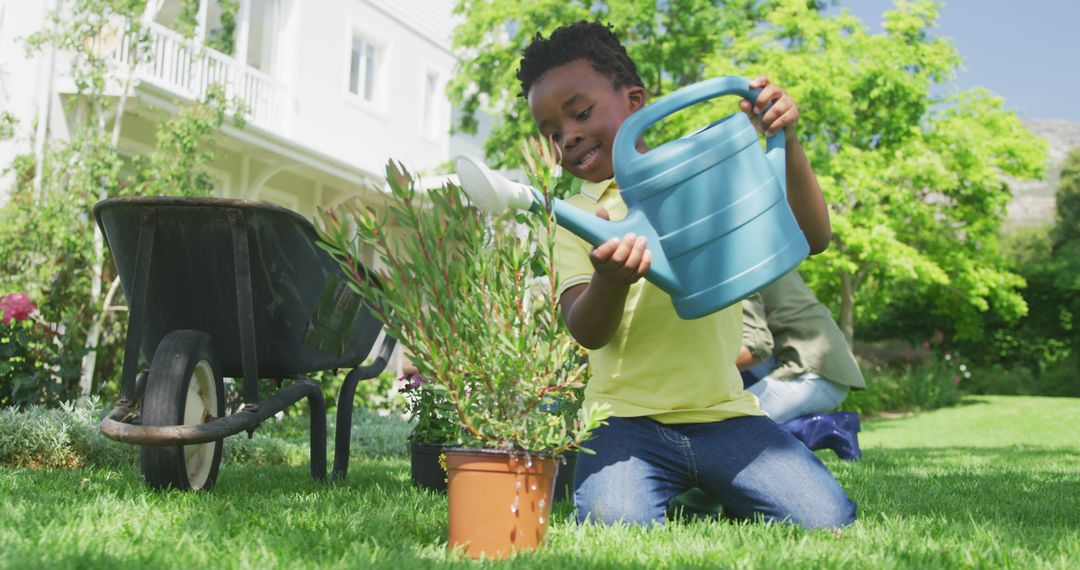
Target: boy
pixel 681 418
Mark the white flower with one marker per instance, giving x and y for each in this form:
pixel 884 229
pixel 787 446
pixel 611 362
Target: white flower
pixel 967 375
pixel 963 368
pixel 948 356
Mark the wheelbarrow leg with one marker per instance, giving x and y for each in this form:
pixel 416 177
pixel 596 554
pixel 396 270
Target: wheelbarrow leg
pixel 343 433
pixel 248 355
pixel 245 307
pixel 137 310
pixel 317 409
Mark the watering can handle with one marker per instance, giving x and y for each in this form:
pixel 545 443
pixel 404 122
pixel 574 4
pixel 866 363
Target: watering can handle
pixel 636 124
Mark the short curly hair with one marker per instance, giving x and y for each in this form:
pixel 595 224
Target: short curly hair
pixel 592 41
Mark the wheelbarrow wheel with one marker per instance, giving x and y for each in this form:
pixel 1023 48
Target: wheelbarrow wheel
pixel 184 386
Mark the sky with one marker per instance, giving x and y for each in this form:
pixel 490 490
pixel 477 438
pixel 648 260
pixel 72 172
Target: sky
pixel 1027 51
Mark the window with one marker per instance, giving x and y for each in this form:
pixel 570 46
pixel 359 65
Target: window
pixel 262 23
pixel 364 64
pixel 430 118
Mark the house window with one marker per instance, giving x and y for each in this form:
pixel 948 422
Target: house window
pixel 364 64
pixel 262 23
pixel 430 118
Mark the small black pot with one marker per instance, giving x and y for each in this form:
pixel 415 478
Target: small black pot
pixel 564 481
pixel 426 471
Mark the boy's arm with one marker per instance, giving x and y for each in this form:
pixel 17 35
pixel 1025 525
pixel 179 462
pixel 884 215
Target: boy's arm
pixel 593 311
pixel 805 197
pixel 803 192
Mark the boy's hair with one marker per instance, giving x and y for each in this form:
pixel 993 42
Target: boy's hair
pixel 592 41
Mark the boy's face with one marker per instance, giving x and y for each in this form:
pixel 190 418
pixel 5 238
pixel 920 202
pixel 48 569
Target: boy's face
pixel 581 110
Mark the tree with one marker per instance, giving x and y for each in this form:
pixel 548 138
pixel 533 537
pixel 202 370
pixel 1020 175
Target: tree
pixel 915 180
pixel 50 245
pixel 1065 247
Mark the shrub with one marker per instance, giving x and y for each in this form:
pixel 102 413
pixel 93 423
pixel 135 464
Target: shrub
pixel 923 386
pixel 68 437
pixel 36 368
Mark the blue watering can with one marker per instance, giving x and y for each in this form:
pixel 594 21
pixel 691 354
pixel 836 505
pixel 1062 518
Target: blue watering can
pixel 712 205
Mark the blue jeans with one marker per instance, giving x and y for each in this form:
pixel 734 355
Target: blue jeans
pixel 785 400
pixel 751 466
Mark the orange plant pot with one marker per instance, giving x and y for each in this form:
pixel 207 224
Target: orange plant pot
pixel 499 501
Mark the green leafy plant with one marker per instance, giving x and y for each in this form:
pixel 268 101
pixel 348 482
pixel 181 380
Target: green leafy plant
pixel 472 299
pixel 429 406
pixel 35 368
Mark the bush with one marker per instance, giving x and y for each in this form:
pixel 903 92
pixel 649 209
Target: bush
pixel 68 437
pixel 1060 379
pixel 922 386
pixel 59 438
pixel 37 365
pixel 1063 379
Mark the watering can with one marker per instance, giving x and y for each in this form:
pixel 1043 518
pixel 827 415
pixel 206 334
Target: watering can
pixel 712 205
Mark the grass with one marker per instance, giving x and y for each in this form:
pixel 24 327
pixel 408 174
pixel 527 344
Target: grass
pixel 994 482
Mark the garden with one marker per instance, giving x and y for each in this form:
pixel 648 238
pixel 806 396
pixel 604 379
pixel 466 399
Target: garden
pixel 128 439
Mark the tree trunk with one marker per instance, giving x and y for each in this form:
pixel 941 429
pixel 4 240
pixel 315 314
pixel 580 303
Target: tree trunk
pixel 93 336
pixel 847 308
pixel 89 361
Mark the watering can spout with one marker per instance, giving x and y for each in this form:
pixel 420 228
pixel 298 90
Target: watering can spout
pixel 496 194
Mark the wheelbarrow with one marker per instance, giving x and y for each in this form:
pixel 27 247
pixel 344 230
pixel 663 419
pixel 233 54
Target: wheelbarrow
pixel 228 288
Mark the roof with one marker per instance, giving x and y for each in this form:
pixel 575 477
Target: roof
pixel 431 19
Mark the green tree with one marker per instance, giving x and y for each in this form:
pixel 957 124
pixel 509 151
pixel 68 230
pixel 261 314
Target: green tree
pixel 50 246
pixel 1065 248
pixel 1067 210
pixel 915 180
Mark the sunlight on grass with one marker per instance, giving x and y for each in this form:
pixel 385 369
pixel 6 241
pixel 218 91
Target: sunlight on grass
pixel 998 485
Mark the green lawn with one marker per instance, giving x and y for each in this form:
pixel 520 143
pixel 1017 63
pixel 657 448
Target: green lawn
pixel 994 482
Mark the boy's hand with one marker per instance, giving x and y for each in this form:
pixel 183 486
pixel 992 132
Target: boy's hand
pixel 621 261
pixel 783 114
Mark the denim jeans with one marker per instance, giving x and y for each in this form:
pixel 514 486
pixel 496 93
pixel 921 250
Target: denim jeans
pixel 786 400
pixel 748 464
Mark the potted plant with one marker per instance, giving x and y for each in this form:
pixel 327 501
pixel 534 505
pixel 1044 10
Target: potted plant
pixel 434 429
pixel 472 299
pixel 435 426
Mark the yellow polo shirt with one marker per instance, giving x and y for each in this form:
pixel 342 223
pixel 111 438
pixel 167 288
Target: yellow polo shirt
pixel 657 365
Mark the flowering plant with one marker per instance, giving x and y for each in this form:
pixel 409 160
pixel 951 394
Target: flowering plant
pixel 36 368
pixel 472 299
pixel 16 306
pixel 429 407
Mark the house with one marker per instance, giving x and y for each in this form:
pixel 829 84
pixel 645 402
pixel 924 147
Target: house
pixel 333 88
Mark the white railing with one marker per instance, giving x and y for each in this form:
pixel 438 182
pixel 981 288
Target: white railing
pixel 185 67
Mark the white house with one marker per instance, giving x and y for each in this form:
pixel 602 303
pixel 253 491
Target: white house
pixel 333 87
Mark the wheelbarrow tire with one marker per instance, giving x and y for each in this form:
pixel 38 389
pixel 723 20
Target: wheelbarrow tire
pixel 184 386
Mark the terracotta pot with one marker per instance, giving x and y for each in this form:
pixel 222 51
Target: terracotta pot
pixel 499 501
pixel 426 471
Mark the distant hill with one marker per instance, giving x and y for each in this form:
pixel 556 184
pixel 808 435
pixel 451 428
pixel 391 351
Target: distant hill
pixel 1033 201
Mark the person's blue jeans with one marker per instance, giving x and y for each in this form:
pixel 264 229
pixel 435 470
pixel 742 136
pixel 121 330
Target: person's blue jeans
pixel 748 464
pixel 785 400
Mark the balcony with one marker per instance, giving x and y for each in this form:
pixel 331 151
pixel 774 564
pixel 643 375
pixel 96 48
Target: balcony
pixel 186 68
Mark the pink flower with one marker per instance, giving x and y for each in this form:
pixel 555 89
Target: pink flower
pixel 16 306
pixel 412 380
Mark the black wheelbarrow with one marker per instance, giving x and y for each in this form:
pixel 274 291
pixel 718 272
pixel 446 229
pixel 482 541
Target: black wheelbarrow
pixel 227 288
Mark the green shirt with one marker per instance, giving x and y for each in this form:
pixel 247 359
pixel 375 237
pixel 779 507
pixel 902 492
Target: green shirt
pixel 657 364
pixel 785 319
